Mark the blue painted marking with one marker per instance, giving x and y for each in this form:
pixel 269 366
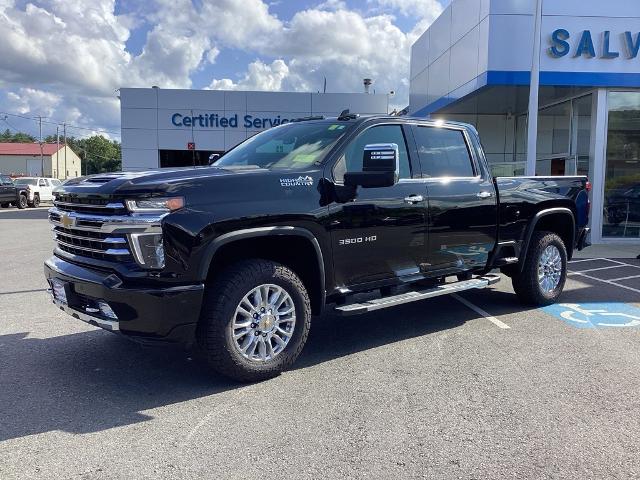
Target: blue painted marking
pixel 596 315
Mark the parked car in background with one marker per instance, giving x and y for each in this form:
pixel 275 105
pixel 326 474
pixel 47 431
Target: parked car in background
pixel 11 194
pixel 38 189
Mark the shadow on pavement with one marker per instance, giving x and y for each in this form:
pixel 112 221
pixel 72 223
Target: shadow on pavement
pixel 26 214
pixel 93 381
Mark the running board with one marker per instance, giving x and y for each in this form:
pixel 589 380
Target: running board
pixel 415 295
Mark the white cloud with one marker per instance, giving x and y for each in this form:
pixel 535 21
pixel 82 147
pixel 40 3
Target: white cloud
pixel 65 59
pixel 259 76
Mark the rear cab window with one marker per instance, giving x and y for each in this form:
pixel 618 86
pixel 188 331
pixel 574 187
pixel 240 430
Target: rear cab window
pixel 443 152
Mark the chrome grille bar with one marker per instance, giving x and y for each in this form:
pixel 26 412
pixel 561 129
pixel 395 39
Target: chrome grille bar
pixel 110 240
pixel 112 206
pixel 110 251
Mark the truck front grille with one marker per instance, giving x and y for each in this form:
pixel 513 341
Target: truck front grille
pixel 97 228
pixel 102 246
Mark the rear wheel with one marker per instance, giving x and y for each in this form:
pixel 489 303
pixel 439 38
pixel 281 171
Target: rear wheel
pixel 36 201
pixel 255 320
pixel 4 205
pixel 22 201
pixel 544 272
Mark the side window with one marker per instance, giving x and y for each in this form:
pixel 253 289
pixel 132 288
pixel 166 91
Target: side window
pixel 351 160
pixel 443 152
pixel 42 182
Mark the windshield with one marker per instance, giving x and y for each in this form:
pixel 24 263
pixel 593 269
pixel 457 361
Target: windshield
pixel 25 181
pixel 294 146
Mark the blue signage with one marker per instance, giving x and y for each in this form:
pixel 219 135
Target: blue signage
pixel 213 120
pixel 586 47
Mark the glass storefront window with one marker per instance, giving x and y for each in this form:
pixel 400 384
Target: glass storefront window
pixel 622 178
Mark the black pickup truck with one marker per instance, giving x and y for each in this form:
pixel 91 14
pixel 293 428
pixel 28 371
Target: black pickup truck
pixel 235 258
pixel 10 194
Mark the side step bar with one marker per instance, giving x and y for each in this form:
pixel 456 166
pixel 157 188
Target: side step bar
pixel 415 295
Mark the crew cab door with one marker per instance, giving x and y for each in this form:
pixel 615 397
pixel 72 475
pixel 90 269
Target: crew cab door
pixel 462 220
pixel 378 234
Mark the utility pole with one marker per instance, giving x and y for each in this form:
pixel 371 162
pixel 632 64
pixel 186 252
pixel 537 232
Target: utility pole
pixel 57 152
pixel 41 148
pixel 64 137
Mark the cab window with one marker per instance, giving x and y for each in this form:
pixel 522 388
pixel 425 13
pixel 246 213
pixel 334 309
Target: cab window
pixel 443 152
pixel 351 159
pixel 42 183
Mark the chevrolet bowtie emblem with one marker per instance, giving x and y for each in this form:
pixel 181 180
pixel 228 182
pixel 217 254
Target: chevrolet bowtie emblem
pixel 67 221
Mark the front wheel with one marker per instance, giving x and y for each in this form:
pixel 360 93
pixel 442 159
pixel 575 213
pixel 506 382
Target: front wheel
pixel 255 320
pixel 22 201
pixel 5 205
pixel 36 202
pixel 544 271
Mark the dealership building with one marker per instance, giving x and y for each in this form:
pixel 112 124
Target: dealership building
pixel 175 128
pixel 475 64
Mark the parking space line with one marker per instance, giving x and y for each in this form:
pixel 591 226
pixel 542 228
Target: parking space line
pixel 480 311
pixel 623 278
pixel 600 268
pixel 591 260
pixel 610 282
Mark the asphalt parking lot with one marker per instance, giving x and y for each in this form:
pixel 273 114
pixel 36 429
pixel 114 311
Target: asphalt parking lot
pixel 467 387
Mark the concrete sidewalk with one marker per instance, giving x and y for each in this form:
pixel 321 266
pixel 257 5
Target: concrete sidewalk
pixel 609 251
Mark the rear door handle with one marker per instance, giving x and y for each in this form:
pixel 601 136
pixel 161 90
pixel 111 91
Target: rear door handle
pixel 484 194
pixel 414 199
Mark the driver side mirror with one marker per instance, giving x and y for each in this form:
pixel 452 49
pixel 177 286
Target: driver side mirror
pixel 213 158
pixel 380 167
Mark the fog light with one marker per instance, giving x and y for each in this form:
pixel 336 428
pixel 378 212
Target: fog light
pixel 148 249
pixel 106 310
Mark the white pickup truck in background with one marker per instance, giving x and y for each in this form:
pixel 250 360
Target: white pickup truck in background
pixel 38 189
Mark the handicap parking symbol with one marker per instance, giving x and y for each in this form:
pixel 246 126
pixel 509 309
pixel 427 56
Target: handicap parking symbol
pixel 596 315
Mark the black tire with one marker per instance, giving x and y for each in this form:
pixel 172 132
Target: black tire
pixel 4 205
pixel 36 201
pixel 222 296
pixel 526 284
pixel 22 201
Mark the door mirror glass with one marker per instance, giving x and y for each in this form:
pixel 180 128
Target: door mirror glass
pixel 380 167
pixel 213 158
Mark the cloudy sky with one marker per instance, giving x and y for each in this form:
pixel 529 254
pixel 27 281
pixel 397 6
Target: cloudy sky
pixel 65 59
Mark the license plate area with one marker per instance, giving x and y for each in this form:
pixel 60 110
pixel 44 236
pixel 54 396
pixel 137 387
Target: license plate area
pixel 59 290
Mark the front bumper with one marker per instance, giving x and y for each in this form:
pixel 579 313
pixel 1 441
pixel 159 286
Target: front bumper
pixel 148 315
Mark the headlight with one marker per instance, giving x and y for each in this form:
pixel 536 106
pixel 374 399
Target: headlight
pixel 155 205
pixel 148 249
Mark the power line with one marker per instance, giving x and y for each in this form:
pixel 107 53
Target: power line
pixel 75 127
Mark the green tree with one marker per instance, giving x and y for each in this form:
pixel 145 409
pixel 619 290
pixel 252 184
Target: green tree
pixel 17 137
pixel 98 154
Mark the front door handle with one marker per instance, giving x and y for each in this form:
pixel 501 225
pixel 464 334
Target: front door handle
pixel 411 199
pixel 484 194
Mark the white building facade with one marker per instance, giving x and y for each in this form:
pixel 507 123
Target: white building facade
pixel 172 128
pixel 474 65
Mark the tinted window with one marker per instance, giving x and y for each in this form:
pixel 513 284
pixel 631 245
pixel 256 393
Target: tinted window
pixel 7 181
pixel 443 152
pixel 351 160
pixel 295 146
pixel 42 183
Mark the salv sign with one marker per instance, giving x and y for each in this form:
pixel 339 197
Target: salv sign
pixel 588 44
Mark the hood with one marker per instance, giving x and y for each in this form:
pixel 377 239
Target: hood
pixel 148 182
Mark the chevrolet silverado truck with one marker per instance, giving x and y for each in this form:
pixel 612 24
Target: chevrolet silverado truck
pixel 352 214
